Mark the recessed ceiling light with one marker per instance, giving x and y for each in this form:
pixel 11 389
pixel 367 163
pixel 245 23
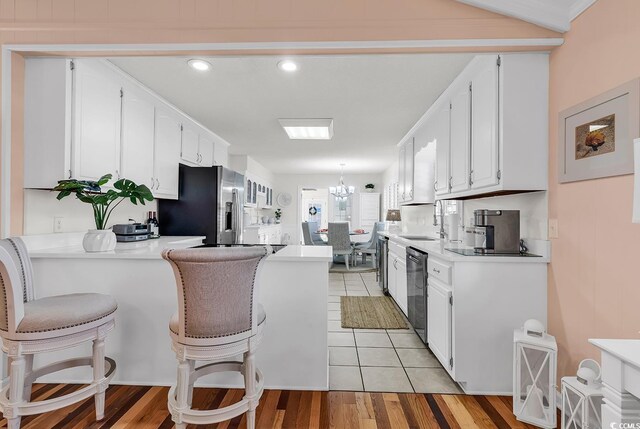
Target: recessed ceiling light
pixel 308 129
pixel 288 66
pixel 200 65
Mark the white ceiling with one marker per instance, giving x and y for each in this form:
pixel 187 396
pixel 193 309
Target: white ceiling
pixel 553 14
pixel 373 99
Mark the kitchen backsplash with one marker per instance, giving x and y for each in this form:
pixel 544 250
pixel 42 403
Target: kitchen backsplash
pixel 418 219
pixel 41 207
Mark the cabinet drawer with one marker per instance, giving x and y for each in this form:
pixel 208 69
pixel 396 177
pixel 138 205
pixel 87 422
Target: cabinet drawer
pixel 439 269
pixel 397 249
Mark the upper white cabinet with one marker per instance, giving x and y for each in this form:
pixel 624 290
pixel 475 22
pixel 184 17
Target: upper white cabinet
pixel 491 127
pixel 96 121
pixel 459 139
pixel 484 123
pixel 138 125
pixel 417 167
pixel 166 151
pixel 439 127
pixel 85 118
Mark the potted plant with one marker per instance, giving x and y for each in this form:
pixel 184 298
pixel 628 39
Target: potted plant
pixel 278 215
pixel 369 187
pixel 102 239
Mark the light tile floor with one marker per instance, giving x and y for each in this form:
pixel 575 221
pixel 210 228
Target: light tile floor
pixel 378 360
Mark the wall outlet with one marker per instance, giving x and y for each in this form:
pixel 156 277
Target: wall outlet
pixel 58 224
pixel 553 228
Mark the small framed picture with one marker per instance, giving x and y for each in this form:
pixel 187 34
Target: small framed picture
pixel 596 136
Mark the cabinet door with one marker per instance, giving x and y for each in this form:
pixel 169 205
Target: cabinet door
pixel 166 153
pixel 484 123
pixel 137 137
pixel 424 163
pixel 392 277
pixel 440 134
pixel 408 170
pixel 460 121
pixel 439 321
pixel 190 142
pixel 401 174
pixel 401 286
pixel 205 148
pixel 96 121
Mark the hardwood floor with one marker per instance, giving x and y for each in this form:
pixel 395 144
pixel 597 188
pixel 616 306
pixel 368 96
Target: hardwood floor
pixel 146 407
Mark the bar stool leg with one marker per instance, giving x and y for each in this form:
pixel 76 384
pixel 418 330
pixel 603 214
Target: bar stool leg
pixel 98 376
pixel 27 374
pixel 250 387
pixel 16 389
pixel 182 391
pixel 192 367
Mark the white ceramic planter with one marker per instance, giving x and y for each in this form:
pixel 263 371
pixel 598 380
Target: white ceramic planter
pixel 99 240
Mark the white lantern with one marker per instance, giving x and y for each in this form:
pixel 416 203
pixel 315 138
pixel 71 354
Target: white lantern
pixel 534 375
pixel 582 398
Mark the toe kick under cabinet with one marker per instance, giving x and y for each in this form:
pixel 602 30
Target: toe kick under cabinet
pixel 472 309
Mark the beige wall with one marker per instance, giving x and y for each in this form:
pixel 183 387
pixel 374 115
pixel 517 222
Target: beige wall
pixel 594 287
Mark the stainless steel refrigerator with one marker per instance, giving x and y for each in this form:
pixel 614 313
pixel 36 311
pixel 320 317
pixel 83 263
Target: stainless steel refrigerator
pixel 210 203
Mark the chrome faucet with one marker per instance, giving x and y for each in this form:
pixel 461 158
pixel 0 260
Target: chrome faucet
pixel 443 234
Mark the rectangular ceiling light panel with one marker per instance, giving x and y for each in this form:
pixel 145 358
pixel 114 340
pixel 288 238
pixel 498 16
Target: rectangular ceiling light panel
pixel 308 129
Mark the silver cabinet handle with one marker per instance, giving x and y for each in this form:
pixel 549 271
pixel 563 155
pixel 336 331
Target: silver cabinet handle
pixel 157 184
pixel 153 183
pixel 436 271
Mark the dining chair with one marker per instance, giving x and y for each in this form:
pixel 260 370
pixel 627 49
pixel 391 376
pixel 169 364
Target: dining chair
pixel 306 234
pixel 369 248
pixel 340 240
pixel 316 239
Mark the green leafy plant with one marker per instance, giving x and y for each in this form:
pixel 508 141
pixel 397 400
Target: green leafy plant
pixel 278 214
pixel 103 203
pixel 369 186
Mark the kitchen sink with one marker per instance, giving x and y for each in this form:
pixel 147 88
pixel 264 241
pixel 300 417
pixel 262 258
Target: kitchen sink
pixel 417 237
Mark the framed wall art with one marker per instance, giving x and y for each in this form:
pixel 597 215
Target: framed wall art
pixel 596 136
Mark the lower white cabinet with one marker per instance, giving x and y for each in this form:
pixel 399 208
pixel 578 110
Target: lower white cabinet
pixel 397 275
pixel 263 234
pixel 439 312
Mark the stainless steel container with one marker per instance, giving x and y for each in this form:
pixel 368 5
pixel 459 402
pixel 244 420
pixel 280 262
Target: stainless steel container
pixel 497 231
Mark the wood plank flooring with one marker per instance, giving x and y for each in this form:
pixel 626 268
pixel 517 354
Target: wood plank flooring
pixel 146 408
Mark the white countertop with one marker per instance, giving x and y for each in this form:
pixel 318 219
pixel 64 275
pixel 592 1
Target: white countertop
pixel 626 350
pixel 437 248
pixel 298 252
pixel 70 246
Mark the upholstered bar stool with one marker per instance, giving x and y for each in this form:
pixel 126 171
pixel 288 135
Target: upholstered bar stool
pixel 218 318
pixel 29 326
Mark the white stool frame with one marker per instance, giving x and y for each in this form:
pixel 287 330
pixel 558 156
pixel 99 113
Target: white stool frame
pixel 181 394
pixel 16 392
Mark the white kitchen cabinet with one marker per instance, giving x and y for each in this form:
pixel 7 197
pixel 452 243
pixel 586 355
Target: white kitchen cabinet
pixel 424 164
pixel 138 134
pixel 484 125
pixel 408 170
pixel 189 151
pixel 263 234
pixel 401 285
pixel 85 118
pixel 401 173
pixel 96 121
pixel 459 139
pixel 439 321
pixel 166 153
pixel 369 210
pixel 206 150
pixel 438 126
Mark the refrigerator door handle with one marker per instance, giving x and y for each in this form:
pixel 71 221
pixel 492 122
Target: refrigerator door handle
pixel 235 214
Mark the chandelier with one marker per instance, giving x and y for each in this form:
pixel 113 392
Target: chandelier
pixel 341 191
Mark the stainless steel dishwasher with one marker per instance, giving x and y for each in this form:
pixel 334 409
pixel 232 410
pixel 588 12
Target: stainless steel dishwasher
pixel 417 291
pixel 382 258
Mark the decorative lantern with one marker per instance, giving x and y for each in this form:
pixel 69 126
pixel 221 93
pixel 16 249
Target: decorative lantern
pixel 582 397
pixel 534 374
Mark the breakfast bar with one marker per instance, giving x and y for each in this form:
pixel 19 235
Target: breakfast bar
pixel 294 289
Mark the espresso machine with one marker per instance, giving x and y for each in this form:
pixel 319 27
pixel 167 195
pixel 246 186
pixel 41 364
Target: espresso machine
pixel 497 231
